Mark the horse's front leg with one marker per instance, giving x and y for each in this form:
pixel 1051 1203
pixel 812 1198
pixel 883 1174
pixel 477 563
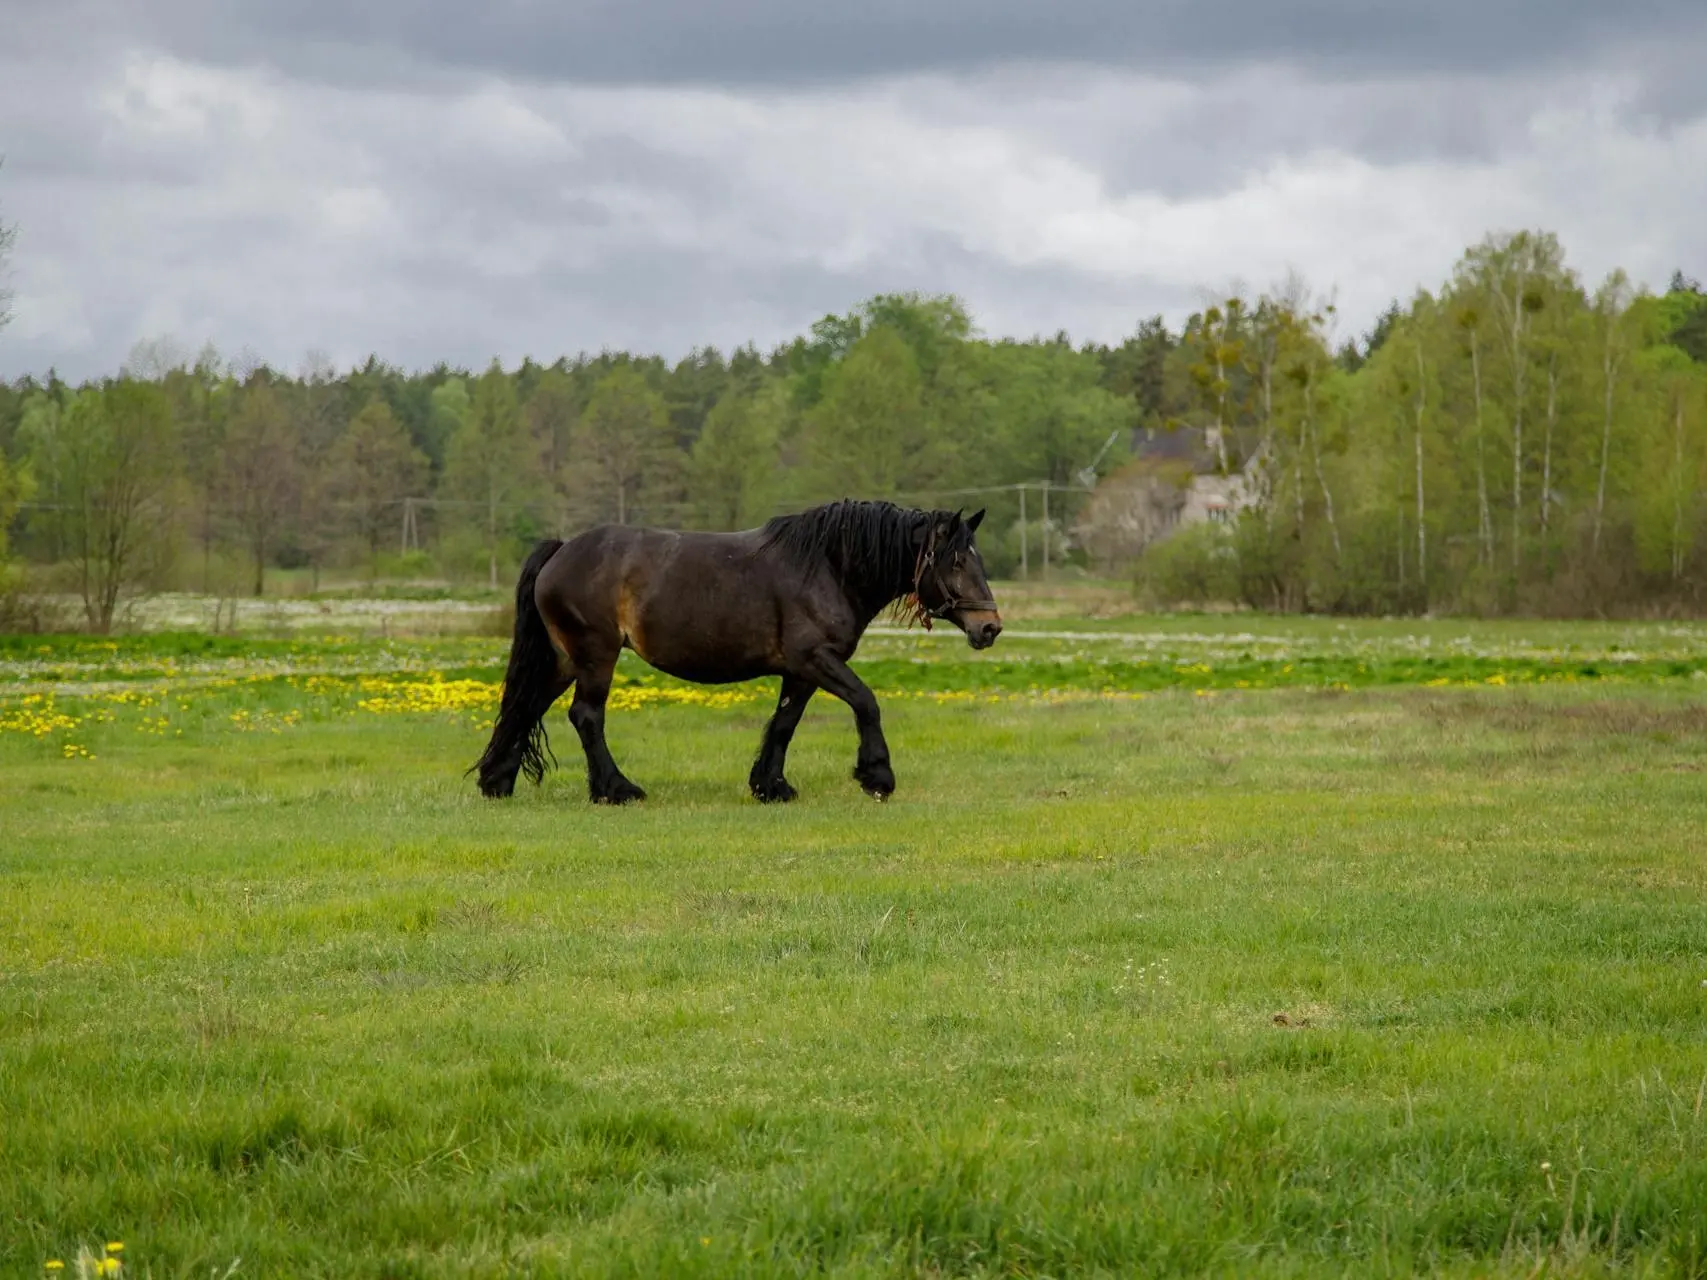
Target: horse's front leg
pixel 871 766
pixel 766 781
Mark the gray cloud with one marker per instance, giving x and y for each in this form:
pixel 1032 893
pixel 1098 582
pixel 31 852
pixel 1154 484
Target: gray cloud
pixel 201 176
pixel 745 42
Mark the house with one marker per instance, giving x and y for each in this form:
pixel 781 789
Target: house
pixel 1173 481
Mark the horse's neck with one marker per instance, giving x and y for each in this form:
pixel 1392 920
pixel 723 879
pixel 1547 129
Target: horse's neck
pixel 872 587
pixel 865 602
pixel 873 597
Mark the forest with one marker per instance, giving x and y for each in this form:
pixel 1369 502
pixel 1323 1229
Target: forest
pixel 1514 441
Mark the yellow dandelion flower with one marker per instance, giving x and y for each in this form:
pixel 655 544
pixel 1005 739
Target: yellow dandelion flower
pixel 115 1246
pixel 54 1264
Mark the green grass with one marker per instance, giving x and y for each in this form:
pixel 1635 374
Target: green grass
pixel 1337 973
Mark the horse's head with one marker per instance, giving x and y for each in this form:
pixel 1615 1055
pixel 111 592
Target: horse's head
pixel 950 580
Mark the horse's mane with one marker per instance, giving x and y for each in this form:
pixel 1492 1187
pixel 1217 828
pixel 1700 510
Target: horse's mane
pixel 868 545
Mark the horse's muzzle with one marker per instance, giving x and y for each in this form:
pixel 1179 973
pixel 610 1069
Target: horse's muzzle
pixel 981 635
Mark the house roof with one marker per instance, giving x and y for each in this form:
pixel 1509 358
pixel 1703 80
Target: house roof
pixel 1191 444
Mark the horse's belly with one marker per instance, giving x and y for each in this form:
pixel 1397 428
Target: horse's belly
pixel 699 616
pixel 704 662
pixel 707 669
pixel 704 675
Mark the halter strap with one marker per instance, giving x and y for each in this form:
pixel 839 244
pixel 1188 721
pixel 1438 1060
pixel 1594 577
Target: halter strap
pixel 927 560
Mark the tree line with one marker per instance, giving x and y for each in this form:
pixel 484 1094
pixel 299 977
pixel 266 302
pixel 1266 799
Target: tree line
pixel 180 469
pixel 1511 441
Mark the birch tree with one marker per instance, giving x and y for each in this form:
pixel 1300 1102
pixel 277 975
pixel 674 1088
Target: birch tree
pixel 488 466
pixel 1612 324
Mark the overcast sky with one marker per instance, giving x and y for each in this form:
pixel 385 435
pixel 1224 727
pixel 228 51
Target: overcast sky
pixel 460 181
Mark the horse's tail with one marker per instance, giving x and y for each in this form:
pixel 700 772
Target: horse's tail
pixel 519 742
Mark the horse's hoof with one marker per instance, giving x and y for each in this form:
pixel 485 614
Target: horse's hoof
pixel 622 792
pixel 496 784
pixel 878 781
pixel 774 791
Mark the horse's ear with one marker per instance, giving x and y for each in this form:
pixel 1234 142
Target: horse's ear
pixel 972 524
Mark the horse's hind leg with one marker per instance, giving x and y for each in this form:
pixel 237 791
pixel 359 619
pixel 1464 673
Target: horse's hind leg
pixel 605 782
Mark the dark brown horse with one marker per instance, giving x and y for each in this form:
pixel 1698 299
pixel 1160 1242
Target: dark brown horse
pixel 791 599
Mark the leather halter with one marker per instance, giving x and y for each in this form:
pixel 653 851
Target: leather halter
pixel 927 561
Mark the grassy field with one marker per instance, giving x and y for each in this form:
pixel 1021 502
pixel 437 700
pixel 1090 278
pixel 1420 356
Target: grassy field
pixel 1186 946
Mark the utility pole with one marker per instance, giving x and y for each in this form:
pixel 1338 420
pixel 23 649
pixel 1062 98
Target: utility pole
pixel 1024 540
pixel 1046 531
pixel 411 534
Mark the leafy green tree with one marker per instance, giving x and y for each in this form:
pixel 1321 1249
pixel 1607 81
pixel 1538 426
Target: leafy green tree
pixel 1352 355
pixel 1512 280
pixel 260 477
pixel 15 489
pixel 39 443
pixel 12 398
pixel 871 434
pixel 1051 416
pixel 112 464
pixel 1138 370
pixel 1217 346
pixel 1396 474
pixel 624 454
pixel 1614 339
pixel 371 469
pixel 317 411
pixel 410 400
pixel 1287 386
pixel 932 327
pixel 1671 501
pixel 551 413
pixel 489 464
pixel 691 391
pixel 1684 317
pixel 1312 372
pixel 200 400
pixel 734 478
pixel 448 413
